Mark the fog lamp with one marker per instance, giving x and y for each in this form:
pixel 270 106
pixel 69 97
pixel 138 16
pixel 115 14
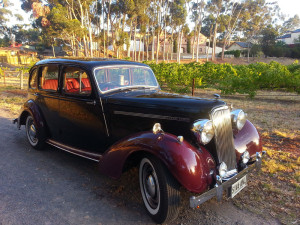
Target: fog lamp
pixel 245 157
pixel 222 169
pixel 239 118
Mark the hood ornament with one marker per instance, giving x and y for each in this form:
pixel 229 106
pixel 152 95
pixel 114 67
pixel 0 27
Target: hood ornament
pixel 217 96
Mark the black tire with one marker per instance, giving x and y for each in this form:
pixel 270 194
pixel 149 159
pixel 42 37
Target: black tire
pixel 160 190
pixel 35 136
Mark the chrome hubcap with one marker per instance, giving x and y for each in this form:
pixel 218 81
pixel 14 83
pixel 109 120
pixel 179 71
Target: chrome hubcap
pixel 31 131
pixel 150 186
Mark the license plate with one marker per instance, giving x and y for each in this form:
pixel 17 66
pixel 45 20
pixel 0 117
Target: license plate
pixel 238 186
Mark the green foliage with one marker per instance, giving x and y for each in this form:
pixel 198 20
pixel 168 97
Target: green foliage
pixel 230 79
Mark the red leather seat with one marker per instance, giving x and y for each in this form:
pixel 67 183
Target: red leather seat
pixel 72 85
pixel 50 84
pixel 86 82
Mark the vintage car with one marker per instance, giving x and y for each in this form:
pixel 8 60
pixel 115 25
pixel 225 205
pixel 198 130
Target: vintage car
pixel 114 113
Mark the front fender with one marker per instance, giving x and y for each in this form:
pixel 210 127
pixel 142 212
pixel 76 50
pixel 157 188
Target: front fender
pixel 247 139
pixel 189 165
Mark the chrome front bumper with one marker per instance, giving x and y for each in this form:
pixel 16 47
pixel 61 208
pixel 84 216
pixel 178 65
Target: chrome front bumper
pixel 221 186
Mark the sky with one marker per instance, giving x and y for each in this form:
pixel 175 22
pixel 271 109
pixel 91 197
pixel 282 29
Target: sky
pixel 288 7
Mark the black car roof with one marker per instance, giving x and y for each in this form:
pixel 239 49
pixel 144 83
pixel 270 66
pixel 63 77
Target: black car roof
pixel 90 62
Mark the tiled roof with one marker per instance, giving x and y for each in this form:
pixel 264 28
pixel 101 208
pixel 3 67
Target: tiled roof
pixel 284 36
pixel 296 31
pixel 243 44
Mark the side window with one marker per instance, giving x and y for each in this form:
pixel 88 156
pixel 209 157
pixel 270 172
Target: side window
pixel 76 81
pixel 33 79
pixel 48 79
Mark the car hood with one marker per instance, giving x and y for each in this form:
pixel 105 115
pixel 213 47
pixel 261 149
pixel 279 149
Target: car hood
pixel 157 103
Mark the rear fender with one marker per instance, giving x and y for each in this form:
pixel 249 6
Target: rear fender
pixel 192 167
pixel 31 108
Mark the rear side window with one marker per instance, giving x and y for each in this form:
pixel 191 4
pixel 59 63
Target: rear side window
pixel 33 79
pixel 49 78
pixel 76 81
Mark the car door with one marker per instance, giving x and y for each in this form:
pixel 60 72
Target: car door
pixel 47 97
pixel 81 118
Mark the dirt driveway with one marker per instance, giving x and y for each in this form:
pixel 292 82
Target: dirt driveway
pixel 54 187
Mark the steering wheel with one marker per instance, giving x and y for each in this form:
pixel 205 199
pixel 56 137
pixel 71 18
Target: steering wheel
pixel 108 85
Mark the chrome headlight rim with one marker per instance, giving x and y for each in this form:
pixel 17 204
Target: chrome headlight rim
pixel 204 130
pixel 222 169
pixel 238 118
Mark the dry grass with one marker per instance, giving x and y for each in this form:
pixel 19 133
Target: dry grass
pixel 12 99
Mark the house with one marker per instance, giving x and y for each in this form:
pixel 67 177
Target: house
pixel 184 44
pixel 290 37
pixel 237 45
pixel 17 55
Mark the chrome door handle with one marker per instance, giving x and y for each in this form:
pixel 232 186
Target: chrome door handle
pixel 91 103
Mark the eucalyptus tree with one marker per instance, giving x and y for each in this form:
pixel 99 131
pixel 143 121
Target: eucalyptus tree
pixel 230 20
pixel 215 8
pixel 197 17
pixel 256 16
pixel 179 13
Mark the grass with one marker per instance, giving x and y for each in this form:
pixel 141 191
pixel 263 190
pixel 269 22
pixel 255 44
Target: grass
pixel 12 99
pixel 275 190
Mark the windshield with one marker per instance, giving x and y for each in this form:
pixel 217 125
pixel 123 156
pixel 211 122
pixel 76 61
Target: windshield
pixel 110 78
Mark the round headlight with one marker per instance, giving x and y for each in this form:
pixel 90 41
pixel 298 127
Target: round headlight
pixel 204 131
pixel 239 118
pixel 245 157
pixel 222 169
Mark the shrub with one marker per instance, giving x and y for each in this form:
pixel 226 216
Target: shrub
pixel 230 79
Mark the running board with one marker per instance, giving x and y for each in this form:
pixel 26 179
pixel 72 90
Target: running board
pixel 75 151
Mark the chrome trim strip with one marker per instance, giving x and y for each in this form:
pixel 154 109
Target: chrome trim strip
pixel 104 117
pixel 75 151
pixel 153 116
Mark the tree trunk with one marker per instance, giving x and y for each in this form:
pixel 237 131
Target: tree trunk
pixel 207 49
pixel 164 50
pixel 152 50
pixel 248 53
pixel 213 56
pixel 140 46
pixel 194 42
pixel 53 50
pixel 108 17
pixel 157 46
pixel 129 43
pixel 134 43
pixel 198 37
pixel 91 39
pixel 172 43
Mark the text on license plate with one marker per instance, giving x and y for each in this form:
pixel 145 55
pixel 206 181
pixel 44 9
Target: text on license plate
pixel 238 186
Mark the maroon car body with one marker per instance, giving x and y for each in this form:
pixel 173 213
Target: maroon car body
pixel 114 113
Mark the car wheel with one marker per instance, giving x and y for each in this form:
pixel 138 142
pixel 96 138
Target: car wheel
pixel 34 135
pixel 160 191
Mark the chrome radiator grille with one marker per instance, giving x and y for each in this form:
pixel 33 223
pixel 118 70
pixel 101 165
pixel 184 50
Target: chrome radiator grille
pixel 224 137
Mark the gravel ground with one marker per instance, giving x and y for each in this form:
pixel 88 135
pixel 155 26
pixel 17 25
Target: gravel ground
pixel 54 187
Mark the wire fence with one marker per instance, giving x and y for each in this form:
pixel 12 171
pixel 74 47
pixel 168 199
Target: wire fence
pixel 16 79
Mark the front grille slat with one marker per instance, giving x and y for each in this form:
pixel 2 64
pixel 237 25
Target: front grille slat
pixel 224 137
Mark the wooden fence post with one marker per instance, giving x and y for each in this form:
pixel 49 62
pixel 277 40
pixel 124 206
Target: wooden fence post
pixel 21 81
pixel 193 87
